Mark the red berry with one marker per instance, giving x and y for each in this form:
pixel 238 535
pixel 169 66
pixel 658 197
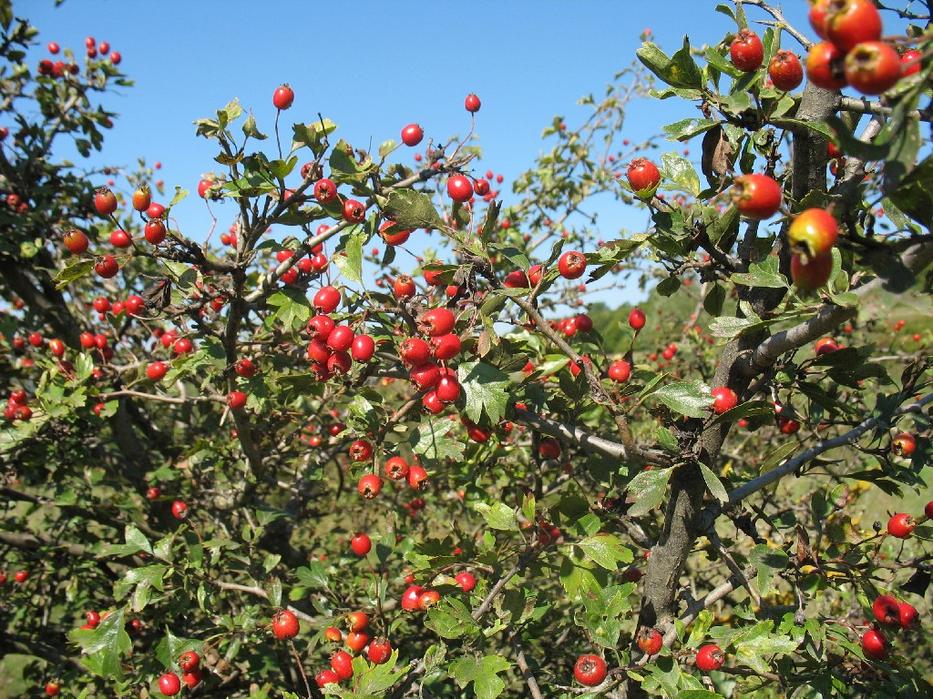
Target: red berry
pixel 411 597
pixel 180 509
pixel 825 67
pixel 446 346
pixel 325 191
pixel 747 51
pixel 636 319
pixel 811 273
pixel 361 450
pixel 75 241
pixel 414 351
pixel 874 644
pixel 904 444
pixel 358 621
pixel 448 389
pixel 340 338
pixel 417 477
pixel 901 525
pixel 369 486
pixel 412 135
pixel 872 67
pixel 885 609
pixel 361 544
pixel 710 657
pixel 357 640
pixel 120 239
pixel 396 468
pixel 459 188
pixel 354 211
pixel 643 177
pixel 724 398
pixel 341 663
pixel 756 196
pixel 189 661
pixel 326 677
pixel 284 624
pixel 363 348
pixel 106 266
pixel 466 581
pixel 169 684
pixel 825 345
pixel 620 371
pixel 437 321
pixel 52 688
pixel 472 103
pixel 236 400
pixel 156 370
pixel 379 650
pixel 154 232
pixel 283 97
pixel 850 22
pixel 403 287
pixel 785 70
pixel 907 614
pixel 326 299
pixel 589 670
pixel 142 198
pixel 21 576
pixel 650 641
pixel 392 233
pixel 910 62
pixel 572 265
pixel 155 210
pixel 105 201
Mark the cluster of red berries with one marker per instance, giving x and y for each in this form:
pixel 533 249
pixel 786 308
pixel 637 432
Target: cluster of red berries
pixel 59 69
pixel 20 576
pixel 189 663
pixel 887 610
pixel 852 52
pixel 17 406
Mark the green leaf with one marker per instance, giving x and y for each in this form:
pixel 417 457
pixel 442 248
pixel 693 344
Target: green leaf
pixel 498 516
pixel 647 489
pixel 482 672
pixel 685 129
pixel 104 646
pixel 411 209
pixel 292 307
pixel 752 651
pixel 374 680
pixel 681 172
pixel 713 483
pixel 764 274
pixel 250 129
pixel 349 257
pixel 450 618
pixel 73 271
pixel 486 391
pixel 431 441
pixel 677 71
pixel 729 327
pixel 180 195
pixel 172 646
pixel 914 196
pixel 778 455
pixel 767 562
pixel 136 538
pixel 314 575
pixel 312 135
pixel 605 550
pixel 344 166
pixel 690 398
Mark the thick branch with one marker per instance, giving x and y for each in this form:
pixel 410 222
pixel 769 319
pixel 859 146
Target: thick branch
pixel 914 259
pixel 792 465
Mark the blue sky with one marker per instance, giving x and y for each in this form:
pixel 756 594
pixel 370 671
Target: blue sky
pixel 373 67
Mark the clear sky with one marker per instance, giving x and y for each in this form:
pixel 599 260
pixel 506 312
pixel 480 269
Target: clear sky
pixel 373 67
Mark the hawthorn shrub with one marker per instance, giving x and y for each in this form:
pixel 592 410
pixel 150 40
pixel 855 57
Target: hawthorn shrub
pixel 304 461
